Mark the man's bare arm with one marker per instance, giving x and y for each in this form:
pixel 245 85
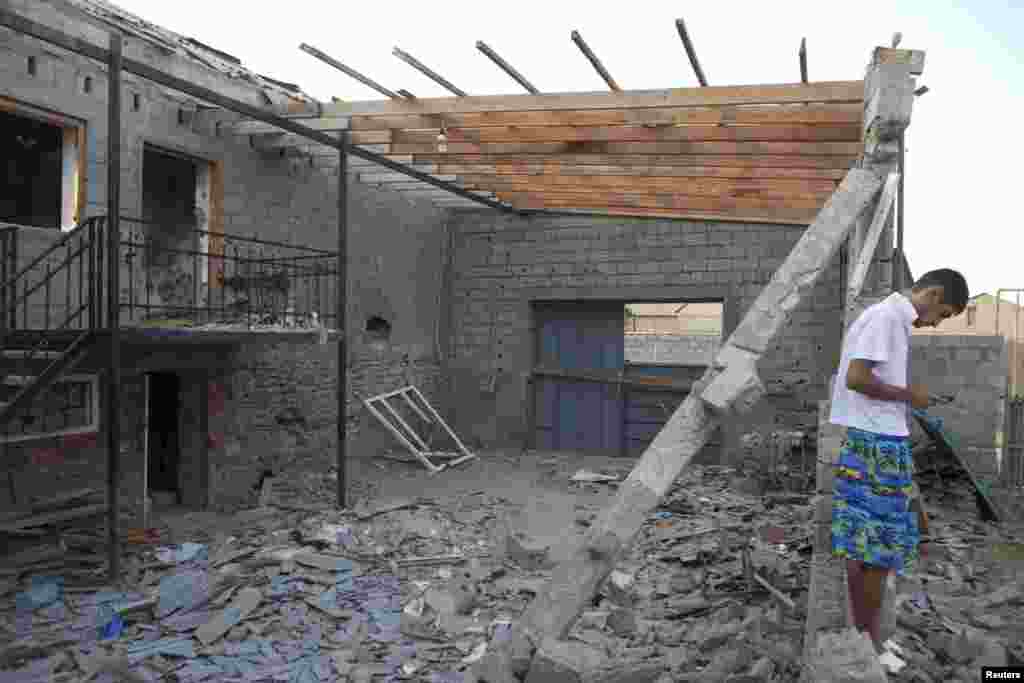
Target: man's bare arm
pixel 861 379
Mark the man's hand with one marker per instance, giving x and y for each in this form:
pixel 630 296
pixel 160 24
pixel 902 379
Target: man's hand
pixel 919 396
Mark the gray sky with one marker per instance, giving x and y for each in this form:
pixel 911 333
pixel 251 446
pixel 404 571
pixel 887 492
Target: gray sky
pixel 959 174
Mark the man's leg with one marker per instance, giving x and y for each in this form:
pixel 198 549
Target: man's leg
pixel 874 593
pixel 855 592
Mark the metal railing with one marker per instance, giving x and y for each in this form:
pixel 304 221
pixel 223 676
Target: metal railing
pixel 172 275
pixel 59 289
pixel 177 272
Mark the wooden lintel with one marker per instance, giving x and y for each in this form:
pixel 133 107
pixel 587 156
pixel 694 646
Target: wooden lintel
pixel 797 93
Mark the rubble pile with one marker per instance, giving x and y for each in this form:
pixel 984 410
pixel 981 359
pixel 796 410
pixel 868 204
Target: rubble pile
pixel 418 589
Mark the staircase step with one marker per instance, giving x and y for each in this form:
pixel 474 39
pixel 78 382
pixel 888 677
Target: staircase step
pixel 18 380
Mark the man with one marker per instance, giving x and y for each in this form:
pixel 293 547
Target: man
pixel 873 525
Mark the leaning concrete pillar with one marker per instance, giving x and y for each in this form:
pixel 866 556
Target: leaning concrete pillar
pixel 729 387
pixel 888 97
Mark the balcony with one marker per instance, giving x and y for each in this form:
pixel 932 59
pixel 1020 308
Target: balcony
pixel 176 282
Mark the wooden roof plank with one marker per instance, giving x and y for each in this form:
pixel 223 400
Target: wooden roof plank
pixel 667 201
pixel 722 186
pixel 592 147
pixel 773 216
pixel 839 161
pixel 777 114
pixel 790 93
pixel 640 171
pixel 704 133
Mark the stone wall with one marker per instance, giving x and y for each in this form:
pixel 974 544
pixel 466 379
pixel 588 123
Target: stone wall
pixel 504 263
pixel 395 264
pixel 973 369
pixel 665 349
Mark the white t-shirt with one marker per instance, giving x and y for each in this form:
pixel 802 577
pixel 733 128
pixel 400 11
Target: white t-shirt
pixel 881 334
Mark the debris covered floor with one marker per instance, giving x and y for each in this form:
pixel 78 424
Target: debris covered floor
pixel 425 572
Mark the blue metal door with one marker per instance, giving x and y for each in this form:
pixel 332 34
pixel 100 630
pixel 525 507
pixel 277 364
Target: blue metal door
pixel 579 339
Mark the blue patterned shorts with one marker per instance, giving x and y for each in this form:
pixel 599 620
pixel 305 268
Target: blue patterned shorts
pixel 871 520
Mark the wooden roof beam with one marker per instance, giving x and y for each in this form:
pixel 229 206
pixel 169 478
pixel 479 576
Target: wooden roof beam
pixel 589 54
pixel 506 67
pixel 423 69
pixel 691 52
pixel 327 59
pixel 803 60
pixel 822 92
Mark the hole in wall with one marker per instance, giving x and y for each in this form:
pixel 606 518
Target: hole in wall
pixel 87 85
pixel 136 102
pixel 31 66
pixel 181 117
pixel 378 329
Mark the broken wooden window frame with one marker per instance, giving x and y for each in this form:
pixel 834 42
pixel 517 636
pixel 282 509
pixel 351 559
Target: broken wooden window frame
pixel 410 438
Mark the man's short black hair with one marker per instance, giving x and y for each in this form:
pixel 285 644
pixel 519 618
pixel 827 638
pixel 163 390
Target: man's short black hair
pixel 954 286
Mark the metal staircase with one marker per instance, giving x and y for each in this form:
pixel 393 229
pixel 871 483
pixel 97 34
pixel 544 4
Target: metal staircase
pixel 50 314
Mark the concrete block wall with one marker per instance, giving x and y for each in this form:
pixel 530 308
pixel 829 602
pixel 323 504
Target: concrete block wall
pixel 973 368
pixel 671 349
pixel 503 263
pixel 395 258
pixel 45 467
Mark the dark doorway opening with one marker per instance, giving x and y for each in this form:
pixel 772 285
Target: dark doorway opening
pixel 169 186
pixel 164 433
pixel 31 189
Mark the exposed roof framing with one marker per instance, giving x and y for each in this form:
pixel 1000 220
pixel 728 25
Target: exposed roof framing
pixel 506 67
pixel 691 52
pixel 803 60
pixel 326 59
pixel 295 125
pixel 760 153
pixel 426 71
pixel 598 66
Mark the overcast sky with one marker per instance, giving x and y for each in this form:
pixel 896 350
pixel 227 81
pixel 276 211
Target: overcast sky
pixel 962 179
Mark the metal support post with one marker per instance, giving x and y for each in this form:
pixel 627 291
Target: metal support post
pixel 113 374
pixel 342 323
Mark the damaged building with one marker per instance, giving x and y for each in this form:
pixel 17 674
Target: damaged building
pixel 209 279
pixel 514 323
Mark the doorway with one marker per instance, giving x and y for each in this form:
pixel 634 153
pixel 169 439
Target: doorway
pixel 169 189
pixel 164 433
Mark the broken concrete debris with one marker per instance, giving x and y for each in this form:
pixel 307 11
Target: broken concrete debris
pixel 420 589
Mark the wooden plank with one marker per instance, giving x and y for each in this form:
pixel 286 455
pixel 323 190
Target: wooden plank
pixel 836 162
pixel 738 207
pixel 819 114
pixel 386 178
pixel 648 171
pixel 717 187
pixel 822 92
pixel 781 148
pixel 652 198
pixel 761 217
pixel 322 123
pixel 665 133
